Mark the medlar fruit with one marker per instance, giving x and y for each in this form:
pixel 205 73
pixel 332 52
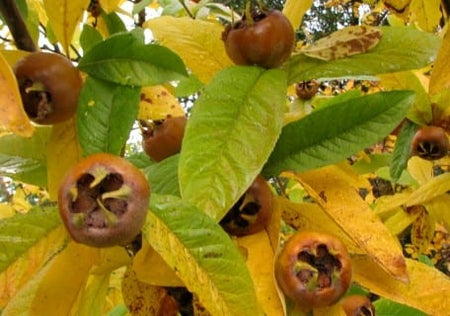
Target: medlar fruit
pixel 306 89
pixel 49 86
pixel 430 142
pixel 103 201
pixel 265 39
pixel 358 305
pixel 252 212
pixel 313 269
pixel 164 138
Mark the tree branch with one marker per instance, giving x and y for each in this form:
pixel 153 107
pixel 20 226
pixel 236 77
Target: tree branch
pixel 16 25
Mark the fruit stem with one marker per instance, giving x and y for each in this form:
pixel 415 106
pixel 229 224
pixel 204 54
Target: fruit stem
pixel 248 13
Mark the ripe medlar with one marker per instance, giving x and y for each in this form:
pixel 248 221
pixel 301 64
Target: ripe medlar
pixel 265 39
pixel 103 201
pixel 358 305
pixel 313 269
pixel 252 212
pixel 164 138
pixel 430 142
pixel 49 86
pixel 306 89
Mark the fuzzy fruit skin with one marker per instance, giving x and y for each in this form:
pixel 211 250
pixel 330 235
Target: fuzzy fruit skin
pixel 165 140
pixel 430 143
pixel 296 289
pixel 259 194
pixel 357 305
pixel 130 222
pixel 60 79
pixel 266 43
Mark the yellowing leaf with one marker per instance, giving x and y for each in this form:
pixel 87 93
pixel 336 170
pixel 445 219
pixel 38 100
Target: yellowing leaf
pixel 398 5
pixel 440 77
pixel 157 102
pixel 426 13
pixel 151 268
pixel 400 221
pixel 92 298
pixel 64 16
pixel 439 209
pixel 260 259
pixel 59 281
pixel 109 5
pixel 428 289
pixel 294 10
pixel 63 152
pixel 435 187
pixel 422 231
pixel 346 42
pixel 6 210
pixel 197 42
pixel 111 258
pixel 12 115
pixel 343 203
pixel 420 169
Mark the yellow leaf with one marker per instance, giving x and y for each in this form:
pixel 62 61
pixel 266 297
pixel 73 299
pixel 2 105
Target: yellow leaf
pixel 294 10
pixel 54 289
pixel 420 169
pixel 27 265
pixel 400 221
pixel 439 209
pixel 151 268
pixel 63 152
pixel 64 16
pixel 310 216
pixel 111 258
pixel 110 5
pixel 92 298
pixel 426 13
pixel 157 102
pixel 197 42
pixel 387 204
pixel 260 259
pixel 343 203
pixel 422 231
pixel 440 76
pixel 12 115
pixel 398 5
pixel 433 188
pixel 428 289
pixel 6 210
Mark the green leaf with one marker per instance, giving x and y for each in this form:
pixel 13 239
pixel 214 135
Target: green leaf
pixel 386 307
pixel 139 6
pixel 113 22
pixel 22 231
pixel 163 176
pixel 335 132
pixel 402 150
pixel 232 129
pixel 140 159
pixel 203 256
pixel 126 60
pixel 105 115
pixel 89 37
pixel 400 48
pixel 25 159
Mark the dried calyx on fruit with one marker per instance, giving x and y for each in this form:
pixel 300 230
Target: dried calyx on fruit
pixel 263 38
pixel 313 269
pixel 103 201
pixel 162 139
pixel 358 305
pixel 252 212
pixel 49 86
pixel 306 89
pixel 430 142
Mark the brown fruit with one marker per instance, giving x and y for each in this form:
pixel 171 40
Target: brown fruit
pixel 307 89
pixel 165 138
pixel 49 87
pixel 358 305
pixel 430 142
pixel 313 269
pixel 103 201
pixel 252 212
pixel 266 39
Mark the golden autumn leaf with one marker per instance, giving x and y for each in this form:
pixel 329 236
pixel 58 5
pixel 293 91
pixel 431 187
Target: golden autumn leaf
pixel 150 267
pixel 197 42
pixel 426 14
pixel 343 203
pixel 12 115
pixel 111 258
pixel 64 16
pixel 93 296
pixel 420 169
pixel 60 280
pixel 157 102
pixel 294 10
pixel 439 209
pixel 398 5
pixel 440 77
pixel 349 41
pixel 260 260
pixel 431 189
pixel 110 5
pixel 63 152
pixel 428 289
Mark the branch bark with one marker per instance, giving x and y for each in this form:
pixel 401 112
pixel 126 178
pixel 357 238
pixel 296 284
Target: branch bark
pixel 16 25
